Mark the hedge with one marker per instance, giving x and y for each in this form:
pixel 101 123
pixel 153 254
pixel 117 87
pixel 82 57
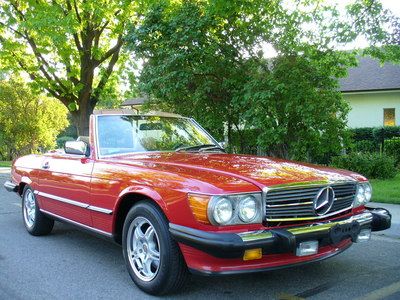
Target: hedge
pixel 376 135
pixel 392 148
pixel 371 165
pixel 365 147
pixel 362 134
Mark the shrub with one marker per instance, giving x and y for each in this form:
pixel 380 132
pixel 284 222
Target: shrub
pixel 365 146
pixel 62 139
pixel 70 130
pixel 371 165
pixel 392 148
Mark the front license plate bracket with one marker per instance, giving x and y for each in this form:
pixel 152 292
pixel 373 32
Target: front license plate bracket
pixel 341 232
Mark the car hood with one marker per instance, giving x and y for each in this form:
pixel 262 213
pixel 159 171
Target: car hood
pixel 260 171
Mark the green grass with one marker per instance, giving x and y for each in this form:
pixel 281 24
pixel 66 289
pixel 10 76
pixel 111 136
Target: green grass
pixel 5 163
pixel 387 191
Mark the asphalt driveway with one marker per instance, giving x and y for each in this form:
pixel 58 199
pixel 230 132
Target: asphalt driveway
pixel 70 264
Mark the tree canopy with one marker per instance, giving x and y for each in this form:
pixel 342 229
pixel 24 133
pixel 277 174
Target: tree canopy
pixel 254 70
pixel 28 121
pixel 206 59
pixel 69 48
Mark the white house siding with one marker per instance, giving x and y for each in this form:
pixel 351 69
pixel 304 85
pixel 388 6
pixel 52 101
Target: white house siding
pixel 367 107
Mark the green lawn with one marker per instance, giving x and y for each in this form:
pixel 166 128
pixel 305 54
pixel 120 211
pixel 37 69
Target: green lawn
pixel 5 163
pixel 387 191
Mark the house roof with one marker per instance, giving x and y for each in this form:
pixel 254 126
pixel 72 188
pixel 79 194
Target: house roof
pixel 371 76
pixel 134 101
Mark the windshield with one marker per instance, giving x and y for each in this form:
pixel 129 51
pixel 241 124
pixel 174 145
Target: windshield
pixel 134 133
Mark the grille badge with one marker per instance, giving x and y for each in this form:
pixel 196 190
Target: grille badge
pixel 323 201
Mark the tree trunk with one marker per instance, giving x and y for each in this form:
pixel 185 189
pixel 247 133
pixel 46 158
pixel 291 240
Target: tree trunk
pixel 81 119
pixel 230 146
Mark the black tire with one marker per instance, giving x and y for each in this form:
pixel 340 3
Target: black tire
pixel 172 270
pixel 40 224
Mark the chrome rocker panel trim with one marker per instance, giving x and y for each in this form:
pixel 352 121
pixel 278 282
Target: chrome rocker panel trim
pixel 75 203
pixel 62 219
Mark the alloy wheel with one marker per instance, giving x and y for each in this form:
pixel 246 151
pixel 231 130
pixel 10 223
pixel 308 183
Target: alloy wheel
pixel 29 208
pixel 143 249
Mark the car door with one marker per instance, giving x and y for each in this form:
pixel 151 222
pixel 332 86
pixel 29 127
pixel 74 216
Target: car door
pixel 64 186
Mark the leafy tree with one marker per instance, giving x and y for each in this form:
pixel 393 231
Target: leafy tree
pixel 296 106
pixel 28 122
pixel 205 59
pixel 192 65
pixel 390 50
pixel 69 48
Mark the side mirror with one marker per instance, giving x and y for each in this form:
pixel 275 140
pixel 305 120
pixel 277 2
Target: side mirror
pixel 222 144
pixel 76 148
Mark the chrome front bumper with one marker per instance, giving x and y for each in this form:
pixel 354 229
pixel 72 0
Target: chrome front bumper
pixel 362 220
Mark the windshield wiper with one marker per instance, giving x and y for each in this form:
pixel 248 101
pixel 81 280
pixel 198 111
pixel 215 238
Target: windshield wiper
pixel 213 147
pixel 201 148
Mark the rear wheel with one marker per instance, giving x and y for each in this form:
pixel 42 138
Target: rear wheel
pixel 153 258
pixel 34 220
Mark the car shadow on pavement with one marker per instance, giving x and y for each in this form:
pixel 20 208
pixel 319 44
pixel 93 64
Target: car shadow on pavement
pixel 274 283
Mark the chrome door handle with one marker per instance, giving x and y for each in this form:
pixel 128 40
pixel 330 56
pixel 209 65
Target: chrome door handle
pixel 46 165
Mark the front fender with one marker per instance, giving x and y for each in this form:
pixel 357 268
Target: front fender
pixel 26 180
pixel 141 190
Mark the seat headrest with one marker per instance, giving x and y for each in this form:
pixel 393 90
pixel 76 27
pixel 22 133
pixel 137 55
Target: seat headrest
pixel 83 139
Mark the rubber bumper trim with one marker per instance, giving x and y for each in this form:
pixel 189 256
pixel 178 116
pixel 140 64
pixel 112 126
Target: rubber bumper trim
pixel 10 186
pixel 228 245
pixel 271 241
pixel 381 218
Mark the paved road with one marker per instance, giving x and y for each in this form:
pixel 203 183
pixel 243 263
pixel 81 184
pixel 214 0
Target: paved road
pixel 69 264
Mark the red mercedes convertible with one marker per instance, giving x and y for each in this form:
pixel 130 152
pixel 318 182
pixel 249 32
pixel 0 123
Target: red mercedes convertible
pixel 163 188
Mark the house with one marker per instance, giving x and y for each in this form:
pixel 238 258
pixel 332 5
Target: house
pixel 134 103
pixel 373 92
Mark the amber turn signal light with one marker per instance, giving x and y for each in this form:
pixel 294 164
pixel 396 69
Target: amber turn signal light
pixel 252 254
pixel 199 204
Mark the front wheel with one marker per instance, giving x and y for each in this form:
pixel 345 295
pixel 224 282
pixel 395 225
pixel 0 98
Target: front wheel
pixel 153 258
pixel 34 220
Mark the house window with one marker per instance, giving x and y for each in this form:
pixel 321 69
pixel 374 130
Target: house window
pixel 389 117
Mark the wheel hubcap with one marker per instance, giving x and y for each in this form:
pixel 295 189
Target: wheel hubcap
pixel 143 249
pixel 29 208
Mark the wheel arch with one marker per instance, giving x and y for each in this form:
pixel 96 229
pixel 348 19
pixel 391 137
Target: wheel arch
pixel 126 200
pixel 24 181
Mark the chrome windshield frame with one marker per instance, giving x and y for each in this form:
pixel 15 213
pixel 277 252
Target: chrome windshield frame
pixel 96 133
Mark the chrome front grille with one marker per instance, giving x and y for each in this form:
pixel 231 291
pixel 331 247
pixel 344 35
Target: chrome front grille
pixel 297 203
